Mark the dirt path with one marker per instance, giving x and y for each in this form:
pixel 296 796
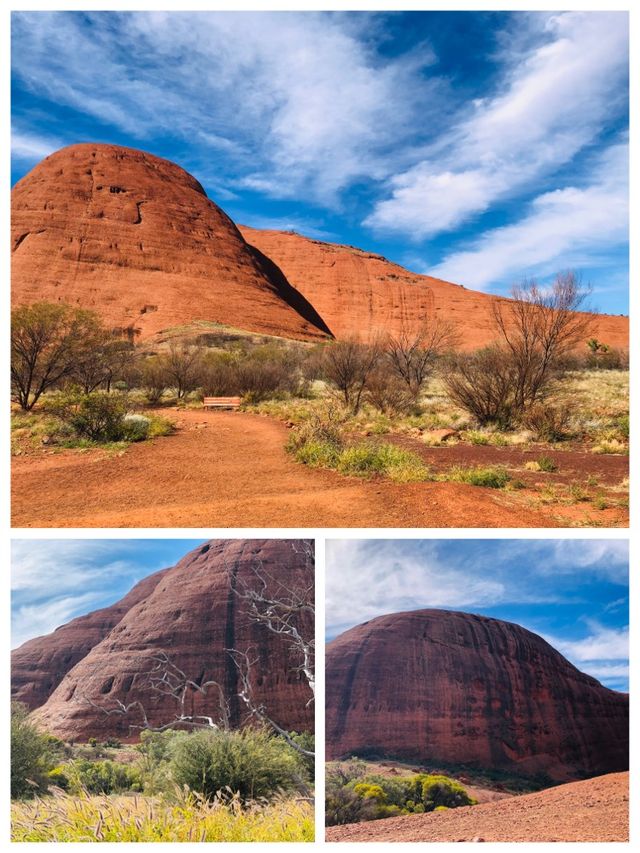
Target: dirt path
pixel 226 469
pixel 594 810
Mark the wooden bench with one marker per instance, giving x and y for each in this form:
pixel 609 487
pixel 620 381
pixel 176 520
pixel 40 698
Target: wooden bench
pixel 221 402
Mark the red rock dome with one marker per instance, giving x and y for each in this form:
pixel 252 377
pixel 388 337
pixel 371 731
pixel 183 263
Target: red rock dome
pixel 457 689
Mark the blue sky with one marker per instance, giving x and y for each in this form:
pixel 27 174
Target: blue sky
pixel 480 147
pixel 572 592
pixel 55 580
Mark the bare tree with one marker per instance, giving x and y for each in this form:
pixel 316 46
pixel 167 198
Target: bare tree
pixel 165 678
pixel 347 366
pixel 539 328
pixel 413 352
pixel 483 383
pixel 47 342
pixel 183 365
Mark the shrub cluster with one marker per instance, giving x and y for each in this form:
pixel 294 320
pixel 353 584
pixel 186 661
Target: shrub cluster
pixel 353 795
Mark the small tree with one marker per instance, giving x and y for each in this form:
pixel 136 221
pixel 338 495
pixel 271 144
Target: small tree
pixel 483 383
pixel 538 328
pixel 183 366
pixel 48 342
pixel 347 366
pixel 31 757
pixel 413 353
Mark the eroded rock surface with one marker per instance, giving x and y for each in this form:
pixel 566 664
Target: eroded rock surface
pixel 453 688
pixel 135 238
pixel 193 614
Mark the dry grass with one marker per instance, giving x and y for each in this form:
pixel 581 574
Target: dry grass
pixel 137 818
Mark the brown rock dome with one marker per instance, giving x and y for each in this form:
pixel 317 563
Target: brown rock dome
pixel 135 238
pixel 458 689
pixel 193 614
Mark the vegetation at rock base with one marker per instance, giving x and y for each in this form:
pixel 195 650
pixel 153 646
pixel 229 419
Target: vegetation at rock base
pixel 353 794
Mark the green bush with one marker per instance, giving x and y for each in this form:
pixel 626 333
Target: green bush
pixel 251 764
pixel 102 777
pixel 31 755
pixel 546 463
pixel 352 798
pixel 58 777
pixel 135 427
pixel 491 477
pixel 98 416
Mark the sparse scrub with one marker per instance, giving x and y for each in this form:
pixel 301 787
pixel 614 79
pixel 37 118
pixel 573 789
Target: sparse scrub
pixel 545 463
pixel 32 757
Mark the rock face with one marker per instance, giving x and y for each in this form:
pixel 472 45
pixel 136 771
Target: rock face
pixel 193 613
pixel 358 293
pixel 135 238
pixel 456 689
pixel 39 665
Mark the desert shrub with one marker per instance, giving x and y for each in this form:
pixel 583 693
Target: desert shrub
pixel 153 378
pixel 387 392
pixel 248 763
pixel 623 425
pixel 546 463
pixel 491 477
pixel 97 416
pixel 135 427
pixel 476 437
pixel 348 364
pixel 356 798
pixel 257 374
pixel 102 777
pixel 549 422
pixel 31 755
pixel 59 777
pixel 483 384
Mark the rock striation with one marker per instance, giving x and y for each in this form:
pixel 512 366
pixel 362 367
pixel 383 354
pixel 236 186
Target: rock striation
pixel 192 614
pixel 360 293
pixel 452 688
pixel 135 238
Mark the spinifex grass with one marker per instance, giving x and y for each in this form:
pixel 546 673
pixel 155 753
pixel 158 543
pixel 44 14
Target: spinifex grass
pixel 138 818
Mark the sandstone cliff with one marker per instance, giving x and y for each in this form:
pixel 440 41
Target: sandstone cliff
pixel 453 688
pixel 193 614
pixel 135 238
pixel 359 293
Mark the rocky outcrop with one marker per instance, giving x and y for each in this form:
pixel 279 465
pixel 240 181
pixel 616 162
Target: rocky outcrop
pixel 360 293
pixel 135 238
pixel 39 665
pixel 194 614
pixel 452 688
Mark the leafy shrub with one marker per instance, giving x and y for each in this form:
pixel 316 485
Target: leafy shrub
pixel 31 755
pixel 352 798
pixel 102 777
pixel 58 777
pixel 251 764
pixel 135 427
pixel 97 416
pixel 546 463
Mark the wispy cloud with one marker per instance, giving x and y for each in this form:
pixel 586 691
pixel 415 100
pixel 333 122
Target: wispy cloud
pixel 569 226
pixel 32 147
pixel 300 101
pixel 552 102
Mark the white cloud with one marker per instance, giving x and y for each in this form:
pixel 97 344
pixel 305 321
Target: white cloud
pixel 602 644
pixel 563 228
pixel 300 100
pixel 552 102
pixel 31 147
pixel 42 618
pixel 367 579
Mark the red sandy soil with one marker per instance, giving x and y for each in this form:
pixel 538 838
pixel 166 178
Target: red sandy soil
pixel 594 810
pixel 229 469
